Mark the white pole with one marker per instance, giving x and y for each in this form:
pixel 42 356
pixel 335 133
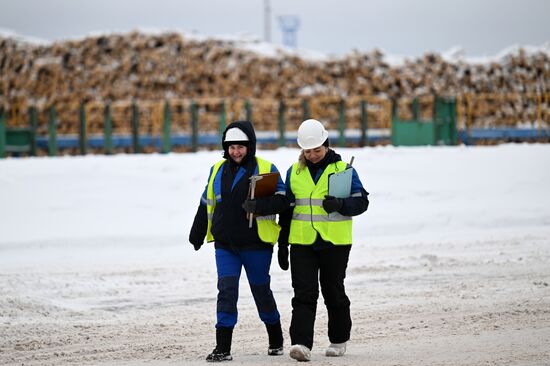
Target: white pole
pixel 267 21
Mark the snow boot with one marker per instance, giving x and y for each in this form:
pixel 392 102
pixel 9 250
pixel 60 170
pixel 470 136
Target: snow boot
pixel 222 352
pixel 300 352
pixel 219 356
pixel 275 335
pixel 336 350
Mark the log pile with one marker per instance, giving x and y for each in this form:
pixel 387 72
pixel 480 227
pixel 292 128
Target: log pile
pixel 152 68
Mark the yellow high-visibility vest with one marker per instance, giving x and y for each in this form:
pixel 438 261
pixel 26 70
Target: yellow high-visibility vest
pixel 309 217
pixel 268 229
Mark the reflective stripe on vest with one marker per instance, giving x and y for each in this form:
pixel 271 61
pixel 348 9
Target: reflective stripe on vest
pixel 268 229
pixel 309 217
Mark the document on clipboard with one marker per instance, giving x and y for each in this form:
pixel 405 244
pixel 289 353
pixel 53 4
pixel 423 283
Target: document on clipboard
pixel 265 185
pixel 339 183
pixel 261 185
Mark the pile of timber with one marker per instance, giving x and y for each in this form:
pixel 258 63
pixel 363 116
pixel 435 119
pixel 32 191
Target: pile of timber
pixel 152 68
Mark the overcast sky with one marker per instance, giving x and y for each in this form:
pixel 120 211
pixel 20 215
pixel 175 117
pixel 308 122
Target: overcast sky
pixel 399 27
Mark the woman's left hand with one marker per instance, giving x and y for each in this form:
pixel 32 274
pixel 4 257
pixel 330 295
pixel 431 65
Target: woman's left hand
pixel 249 205
pixel 331 204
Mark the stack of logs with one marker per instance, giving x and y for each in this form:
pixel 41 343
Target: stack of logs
pixel 153 68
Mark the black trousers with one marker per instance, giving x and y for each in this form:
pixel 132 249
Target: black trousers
pixel 310 267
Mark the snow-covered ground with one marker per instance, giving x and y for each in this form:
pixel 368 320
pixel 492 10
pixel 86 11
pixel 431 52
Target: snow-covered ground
pixel 450 264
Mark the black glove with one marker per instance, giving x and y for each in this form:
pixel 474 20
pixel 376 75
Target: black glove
pixel 249 205
pixel 199 228
pixel 282 256
pixel 196 242
pixel 331 204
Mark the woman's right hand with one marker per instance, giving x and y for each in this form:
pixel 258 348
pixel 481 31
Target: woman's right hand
pixel 282 256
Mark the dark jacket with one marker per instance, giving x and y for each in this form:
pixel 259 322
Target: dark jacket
pixel 352 206
pixel 229 222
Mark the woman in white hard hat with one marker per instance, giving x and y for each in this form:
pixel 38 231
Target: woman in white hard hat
pixel 222 218
pixel 318 228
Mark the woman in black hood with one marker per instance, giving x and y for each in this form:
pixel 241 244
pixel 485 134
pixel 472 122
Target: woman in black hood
pixel 222 217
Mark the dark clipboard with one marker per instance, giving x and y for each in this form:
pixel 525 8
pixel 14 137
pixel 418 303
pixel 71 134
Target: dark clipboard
pixel 267 185
pixel 339 183
pixel 264 185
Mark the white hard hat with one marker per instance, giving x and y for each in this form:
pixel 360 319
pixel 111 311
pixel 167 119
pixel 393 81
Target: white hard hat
pixel 311 134
pixel 235 134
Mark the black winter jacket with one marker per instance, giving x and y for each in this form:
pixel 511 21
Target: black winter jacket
pixel 229 222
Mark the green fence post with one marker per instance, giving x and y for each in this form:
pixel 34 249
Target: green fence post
pixel 445 119
pixel 248 109
pixel 415 107
pixel 2 134
pixel 166 126
pixel 452 121
pixel 52 132
pixel 282 138
pixel 135 128
pixel 394 139
pixel 194 126
pixel 364 124
pixel 305 110
pixel 83 138
pixel 438 118
pixel 33 123
pixel 108 130
pixel 223 119
pixel 342 123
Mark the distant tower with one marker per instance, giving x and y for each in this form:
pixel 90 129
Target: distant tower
pixel 289 25
pixel 267 21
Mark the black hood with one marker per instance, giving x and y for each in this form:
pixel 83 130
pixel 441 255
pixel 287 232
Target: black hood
pixel 248 129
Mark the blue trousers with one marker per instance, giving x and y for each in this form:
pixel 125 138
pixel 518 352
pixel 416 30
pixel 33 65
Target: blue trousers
pixel 256 263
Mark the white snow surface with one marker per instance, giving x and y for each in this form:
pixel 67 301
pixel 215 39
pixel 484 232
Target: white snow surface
pixel 421 193
pixel 96 246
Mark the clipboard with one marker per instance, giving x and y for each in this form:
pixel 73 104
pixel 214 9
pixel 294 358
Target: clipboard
pixel 261 185
pixel 339 183
pixel 266 185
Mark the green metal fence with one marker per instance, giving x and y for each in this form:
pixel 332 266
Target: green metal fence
pixel 439 129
